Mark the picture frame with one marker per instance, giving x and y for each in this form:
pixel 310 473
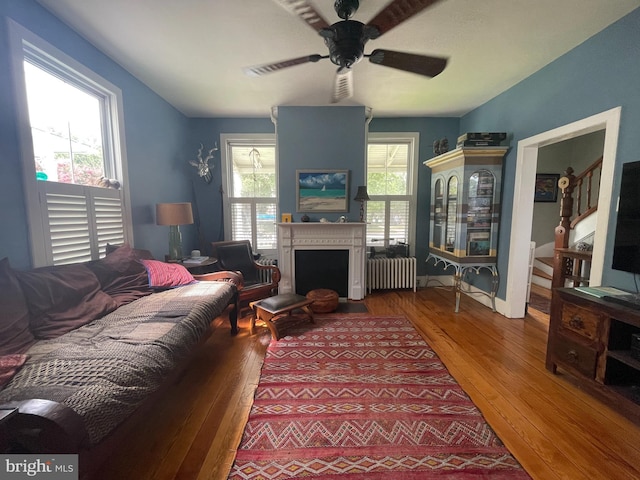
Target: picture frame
pixel 322 190
pixel 286 218
pixel 546 188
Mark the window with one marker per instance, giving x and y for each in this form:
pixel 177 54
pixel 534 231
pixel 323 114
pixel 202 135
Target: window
pixel 249 174
pixel 70 146
pixel 391 184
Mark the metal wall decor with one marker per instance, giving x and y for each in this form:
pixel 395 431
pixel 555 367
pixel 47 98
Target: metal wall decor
pixel 204 169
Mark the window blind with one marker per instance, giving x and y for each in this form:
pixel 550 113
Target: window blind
pixel 81 221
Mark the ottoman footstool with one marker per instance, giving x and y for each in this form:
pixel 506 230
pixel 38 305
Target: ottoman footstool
pixel 278 310
pixel 324 300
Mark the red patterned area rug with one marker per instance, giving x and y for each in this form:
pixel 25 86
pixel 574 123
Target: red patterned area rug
pixel 363 397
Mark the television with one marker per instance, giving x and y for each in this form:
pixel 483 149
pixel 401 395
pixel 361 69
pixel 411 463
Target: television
pixel 626 247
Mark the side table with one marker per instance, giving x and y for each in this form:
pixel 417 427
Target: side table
pixel 207 266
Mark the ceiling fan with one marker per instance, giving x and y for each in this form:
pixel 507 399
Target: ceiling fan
pixel 346 40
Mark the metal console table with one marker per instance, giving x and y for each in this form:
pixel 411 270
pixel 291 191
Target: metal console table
pixel 461 272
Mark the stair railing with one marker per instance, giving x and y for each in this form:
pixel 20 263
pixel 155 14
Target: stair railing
pixel 584 183
pixel 570 264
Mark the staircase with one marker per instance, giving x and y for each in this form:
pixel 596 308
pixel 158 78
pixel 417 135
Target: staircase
pixel 543 272
pixel 572 264
pixel 569 266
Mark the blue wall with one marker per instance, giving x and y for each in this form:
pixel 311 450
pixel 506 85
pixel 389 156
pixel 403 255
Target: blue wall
pixel 208 197
pixel 155 138
pixel 320 137
pixel 312 137
pixel 600 74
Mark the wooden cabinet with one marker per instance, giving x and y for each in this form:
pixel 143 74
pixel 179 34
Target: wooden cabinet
pixel 590 338
pixel 465 203
pixel 465 213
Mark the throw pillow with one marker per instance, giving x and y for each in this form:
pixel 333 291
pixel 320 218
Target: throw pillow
pixel 167 275
pixel 63 298
pixel 9 366
pixel 121 275
pixel 15 336
pixel 140 253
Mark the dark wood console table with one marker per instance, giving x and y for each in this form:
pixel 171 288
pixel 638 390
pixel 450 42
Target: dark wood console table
pixel 590 338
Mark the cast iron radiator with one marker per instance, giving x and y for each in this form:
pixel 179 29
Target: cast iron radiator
pixel 391 273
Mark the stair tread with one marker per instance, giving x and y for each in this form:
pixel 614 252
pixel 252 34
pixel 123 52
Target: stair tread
pixel 541 274
pixel 546 260
pixel 543 292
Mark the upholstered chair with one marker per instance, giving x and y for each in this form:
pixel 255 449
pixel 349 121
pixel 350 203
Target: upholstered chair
pixel 260 281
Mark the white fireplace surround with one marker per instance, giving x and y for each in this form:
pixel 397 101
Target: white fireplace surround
pixel 322 236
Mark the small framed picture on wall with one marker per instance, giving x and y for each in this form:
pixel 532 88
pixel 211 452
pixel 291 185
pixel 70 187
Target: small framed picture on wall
pixel 546 187
pixel 286 218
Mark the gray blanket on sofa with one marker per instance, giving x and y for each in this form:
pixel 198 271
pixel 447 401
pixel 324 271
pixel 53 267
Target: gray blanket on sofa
pixel 105 369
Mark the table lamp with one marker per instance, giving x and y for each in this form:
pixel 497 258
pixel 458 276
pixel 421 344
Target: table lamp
pixel 362 196
pixel 174 215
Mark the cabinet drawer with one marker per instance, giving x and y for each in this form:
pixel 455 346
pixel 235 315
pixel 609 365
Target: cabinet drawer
pixel 577 356
pixel 580 320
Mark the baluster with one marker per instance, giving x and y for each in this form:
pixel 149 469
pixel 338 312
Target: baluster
pixel 589 179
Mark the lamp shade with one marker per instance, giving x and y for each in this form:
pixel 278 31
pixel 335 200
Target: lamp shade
pixel 174 213
pixel 362 194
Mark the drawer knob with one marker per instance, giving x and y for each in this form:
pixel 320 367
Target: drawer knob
pixel 577 323
pixel 572 356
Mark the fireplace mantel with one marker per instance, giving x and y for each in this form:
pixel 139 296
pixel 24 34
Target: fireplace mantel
pixel 322 236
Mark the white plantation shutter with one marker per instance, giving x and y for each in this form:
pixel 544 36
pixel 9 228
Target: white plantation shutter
pixel 399 220
pixel 388 222
pixel 241 221
pixel 80 221
pixel 266 238
pixel 70 239
pixel 109 218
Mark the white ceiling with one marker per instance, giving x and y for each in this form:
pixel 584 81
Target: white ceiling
pixel 191 52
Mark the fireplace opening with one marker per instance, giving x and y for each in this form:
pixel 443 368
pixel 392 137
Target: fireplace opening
pixel 322 269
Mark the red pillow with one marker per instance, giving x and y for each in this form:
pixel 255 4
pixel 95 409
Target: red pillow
pixel 167 275
pixel 15 336
pixel 9 366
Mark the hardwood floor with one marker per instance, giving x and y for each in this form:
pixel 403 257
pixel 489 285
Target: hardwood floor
pixel 554 429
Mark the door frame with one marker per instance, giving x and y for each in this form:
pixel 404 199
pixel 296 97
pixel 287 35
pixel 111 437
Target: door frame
pixel 522 210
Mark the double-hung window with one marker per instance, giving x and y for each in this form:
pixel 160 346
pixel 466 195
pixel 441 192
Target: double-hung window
pixel 392 186
pixel 250 189
pixel 73 159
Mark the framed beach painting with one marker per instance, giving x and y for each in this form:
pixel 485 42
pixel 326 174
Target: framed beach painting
pixel 322 190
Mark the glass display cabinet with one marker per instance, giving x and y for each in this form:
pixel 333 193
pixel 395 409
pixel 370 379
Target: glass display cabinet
pixel 465 212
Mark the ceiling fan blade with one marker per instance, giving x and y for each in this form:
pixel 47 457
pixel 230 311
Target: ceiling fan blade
pixel 306 12
pixel 258 70
pixel 343 86
pixel 410 62
pixel 397 12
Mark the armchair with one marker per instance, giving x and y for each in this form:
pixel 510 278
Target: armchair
pixel 237 256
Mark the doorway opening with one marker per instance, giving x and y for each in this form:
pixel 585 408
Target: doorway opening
pixel 522 213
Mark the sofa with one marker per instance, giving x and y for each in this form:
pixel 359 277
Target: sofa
pixel 83 346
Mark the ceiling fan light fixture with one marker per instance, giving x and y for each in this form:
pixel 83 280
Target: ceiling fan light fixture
pixel 346 8
pixel 346 40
